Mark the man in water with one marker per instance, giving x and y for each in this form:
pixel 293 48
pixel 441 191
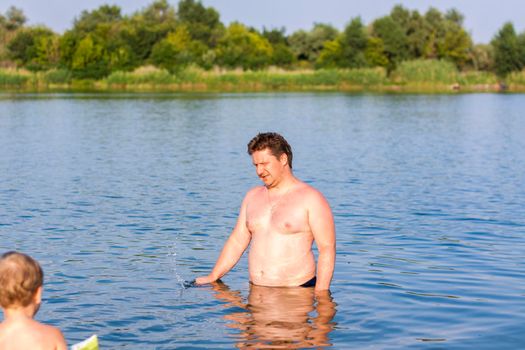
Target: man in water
pixel 281 220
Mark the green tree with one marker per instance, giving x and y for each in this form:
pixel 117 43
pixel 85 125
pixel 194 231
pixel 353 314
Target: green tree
pixel 483 57
pixel 117 52
pixel 353 45
pixel 435 36
pixel 67 46
pixel 96 45
pixel 203 24
pixel 97 53
pixel 282 53
pixel 47 52
pixel 417 35
pixel 402 16
pixel 375 53
pixel 89 20
pixel 320 34
pixel 275 36
pixel 299 42
pixel 19 47
pixel 413 25
pixel 307 46
pixel 36 48
pixel 394 40
pixel 506 51
pixel 240 47
pixel 177 50
pixel 456 45
pixel 89 59
pixel 348 49
pixel 147 27
pixel 14 19
pixel 521 48
pixel 159 11
pixel 331 55
pixel 434 31
pixel 455 17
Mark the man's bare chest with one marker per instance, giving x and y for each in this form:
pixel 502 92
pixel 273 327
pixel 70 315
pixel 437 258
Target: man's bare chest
pixel 287 217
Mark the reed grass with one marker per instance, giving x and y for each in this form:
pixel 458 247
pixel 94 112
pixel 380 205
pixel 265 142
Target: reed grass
pixel 14 78
pixel 269 79
pixel 57 76
pixel 142 75
pixel 280 79
pixel 434 72
pixel 411 76
pixel 516 78
pixel 477 78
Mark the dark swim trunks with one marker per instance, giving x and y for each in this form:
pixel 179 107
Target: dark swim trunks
pixel 310 283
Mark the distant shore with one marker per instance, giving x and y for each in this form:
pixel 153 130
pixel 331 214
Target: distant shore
pixel 412 77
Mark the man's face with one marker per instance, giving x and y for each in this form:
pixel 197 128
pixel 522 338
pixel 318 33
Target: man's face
pixel 268 167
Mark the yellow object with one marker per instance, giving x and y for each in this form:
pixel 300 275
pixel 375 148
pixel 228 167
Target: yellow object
pixel 89 344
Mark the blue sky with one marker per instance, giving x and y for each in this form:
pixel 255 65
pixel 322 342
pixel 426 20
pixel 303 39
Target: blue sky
pixel 482 18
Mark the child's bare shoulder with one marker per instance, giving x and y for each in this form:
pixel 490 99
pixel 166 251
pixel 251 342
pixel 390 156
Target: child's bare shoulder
pixel 36 336
pixel 53 336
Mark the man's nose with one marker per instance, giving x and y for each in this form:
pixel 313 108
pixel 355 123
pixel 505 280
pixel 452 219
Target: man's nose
pixel 259 169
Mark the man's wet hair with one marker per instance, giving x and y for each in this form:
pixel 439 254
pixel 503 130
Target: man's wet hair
pixel 274 142
pixel 20 278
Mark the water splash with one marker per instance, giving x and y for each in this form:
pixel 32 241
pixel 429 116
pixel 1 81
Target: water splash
pixel 173 258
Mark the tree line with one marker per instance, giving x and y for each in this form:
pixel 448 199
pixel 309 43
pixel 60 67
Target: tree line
pixel 104 40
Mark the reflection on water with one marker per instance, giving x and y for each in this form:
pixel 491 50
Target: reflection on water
pixel 274 318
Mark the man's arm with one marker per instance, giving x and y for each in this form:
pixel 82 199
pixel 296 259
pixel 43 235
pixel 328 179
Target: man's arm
pixel 232 251
pixel 322 225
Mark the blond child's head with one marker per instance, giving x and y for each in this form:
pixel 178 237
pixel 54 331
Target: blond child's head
pixel 20 278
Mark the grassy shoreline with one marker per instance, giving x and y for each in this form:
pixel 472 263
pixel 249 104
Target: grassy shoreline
pixel 410 77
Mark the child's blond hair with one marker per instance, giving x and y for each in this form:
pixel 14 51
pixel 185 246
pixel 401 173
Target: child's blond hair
pixel 20 278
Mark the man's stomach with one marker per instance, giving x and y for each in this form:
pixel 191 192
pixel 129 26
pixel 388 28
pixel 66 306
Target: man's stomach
pixel 279 268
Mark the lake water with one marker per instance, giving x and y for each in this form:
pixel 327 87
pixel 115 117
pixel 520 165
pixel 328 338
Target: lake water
pixel 123 197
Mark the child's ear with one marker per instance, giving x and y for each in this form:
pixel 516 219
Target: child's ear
pixel 37 300
pixel 38 296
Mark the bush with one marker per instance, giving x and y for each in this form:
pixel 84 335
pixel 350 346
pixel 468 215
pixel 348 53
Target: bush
pixel 517 78
pixel 477 78
pixel 13 78
pixel 365 76
pixel 426 71
pixel 57 76
pixel 142 75
pixel 190 74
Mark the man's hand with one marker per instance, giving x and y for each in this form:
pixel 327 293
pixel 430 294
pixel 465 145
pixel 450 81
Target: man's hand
pixel 205 279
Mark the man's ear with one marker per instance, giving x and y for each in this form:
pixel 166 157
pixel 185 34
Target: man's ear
pixel 283 159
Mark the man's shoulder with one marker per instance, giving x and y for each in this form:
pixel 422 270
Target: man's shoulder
pixel 254 192
pixel 308 190
pixel 310 195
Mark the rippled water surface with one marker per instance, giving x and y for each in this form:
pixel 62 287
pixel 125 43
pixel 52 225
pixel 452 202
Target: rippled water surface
pixel 124 197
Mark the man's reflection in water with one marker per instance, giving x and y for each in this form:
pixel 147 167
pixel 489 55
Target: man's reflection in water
pixel 273 318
